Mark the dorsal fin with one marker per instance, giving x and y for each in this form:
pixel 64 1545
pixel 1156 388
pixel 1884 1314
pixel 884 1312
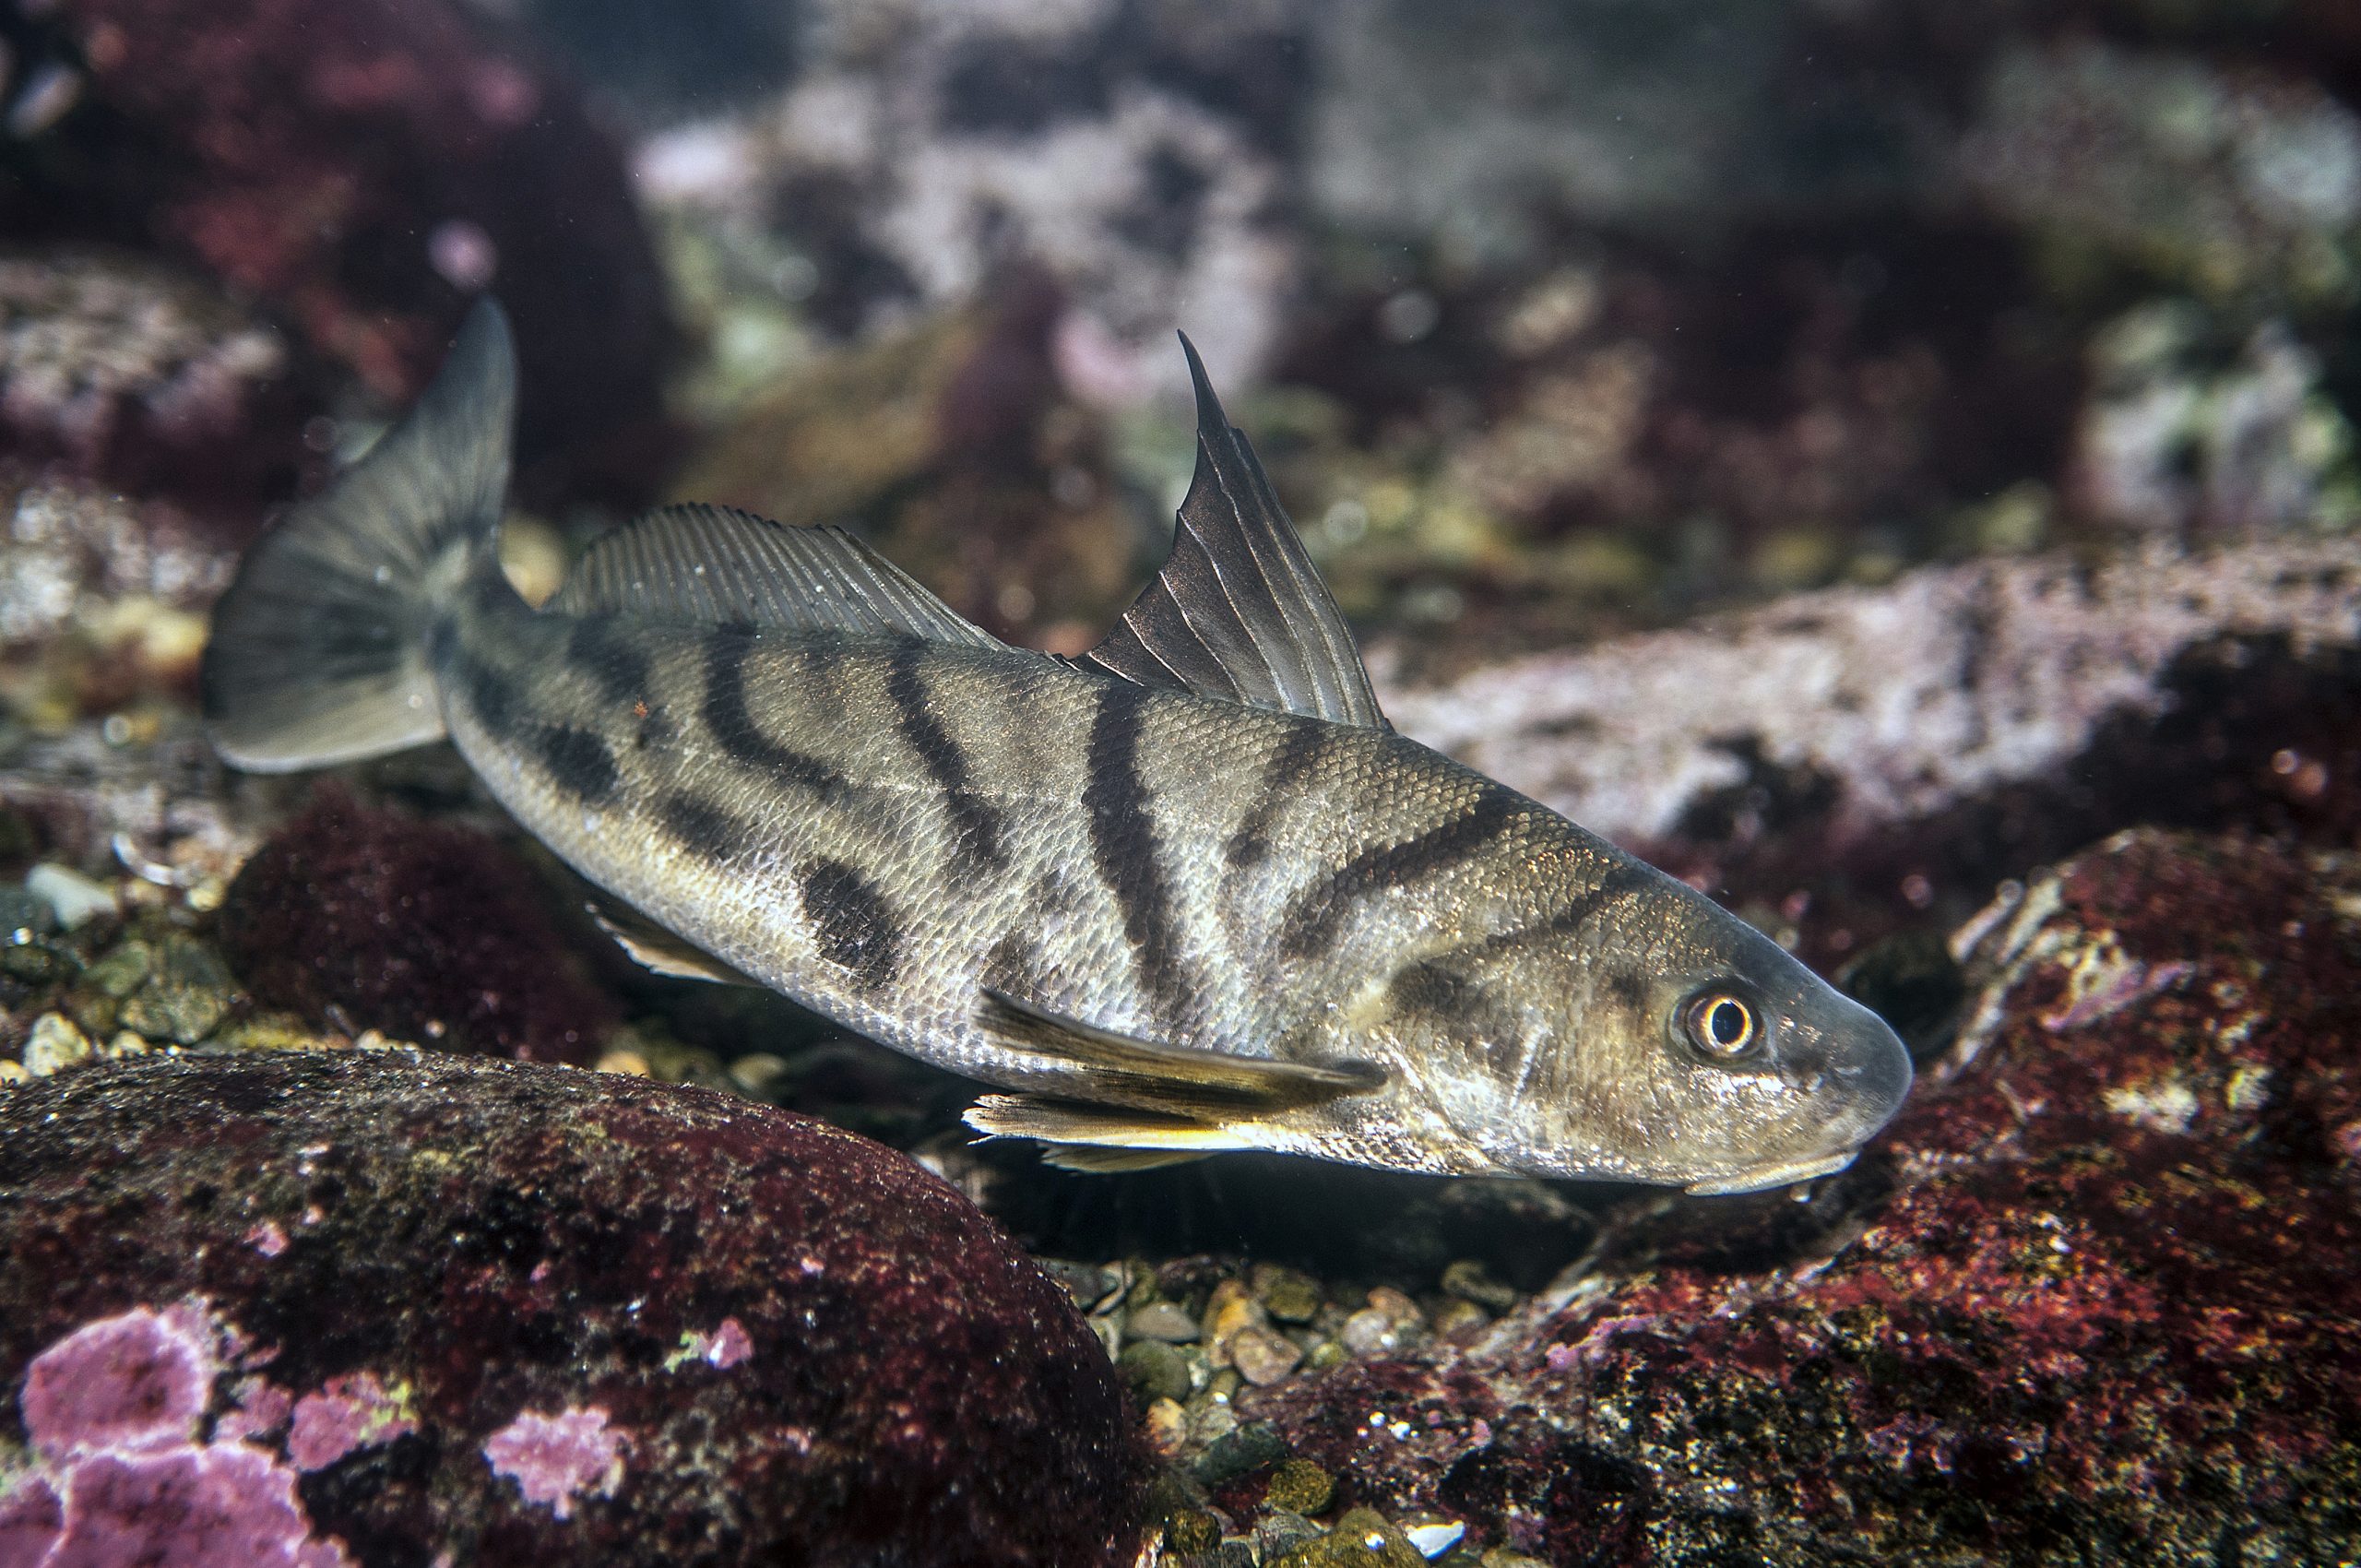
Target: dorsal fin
pixel 1238 611
pixel 715 565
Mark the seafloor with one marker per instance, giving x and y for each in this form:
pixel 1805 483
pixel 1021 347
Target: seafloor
pixel 1893 465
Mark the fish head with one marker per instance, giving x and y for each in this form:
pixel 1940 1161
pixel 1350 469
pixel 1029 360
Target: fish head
pixel 1673 1044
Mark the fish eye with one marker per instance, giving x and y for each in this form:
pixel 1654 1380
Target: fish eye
pixel 1722 1024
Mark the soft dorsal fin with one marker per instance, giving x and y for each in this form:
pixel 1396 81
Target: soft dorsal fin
pixel 1238 611
pixel 715 565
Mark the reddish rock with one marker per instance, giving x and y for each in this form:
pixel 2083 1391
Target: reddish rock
pixel 524 1315
pixel 360 918
pixel 2090 1299
pixel 367 166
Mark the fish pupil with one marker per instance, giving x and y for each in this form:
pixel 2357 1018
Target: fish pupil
pixel 1728 1024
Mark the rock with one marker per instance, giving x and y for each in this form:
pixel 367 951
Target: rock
pixel 53 1045
pixel 1288 1294
pixel 367 169
pixel 186 997
pixel 362 918
pixel 1166 1320
pixel 1263 1356
pixel 1299 1487
pixel 1155 1371
pixel 2093 1275
pixel 73 898
pixel 2049 702
pixel 1247 1447
pixel 530 1316
pixel 23 911
pixel 1468 1280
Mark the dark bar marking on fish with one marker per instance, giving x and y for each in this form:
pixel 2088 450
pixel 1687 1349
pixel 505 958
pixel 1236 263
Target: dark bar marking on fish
pixel 704 829
pixel 978 824
pixel 854 926
pixel 1290 766
pixel 1576 912
pixel 1124 845
pixel 491 693
pixel 655 730
pixel 442 641
pixel 726 652
pixel 1314 922
pixel 578 763
pixel 613 660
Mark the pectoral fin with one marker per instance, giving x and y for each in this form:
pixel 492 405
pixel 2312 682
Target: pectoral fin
pixel 1097 1139
pixel 1193 1085
pixel 653 947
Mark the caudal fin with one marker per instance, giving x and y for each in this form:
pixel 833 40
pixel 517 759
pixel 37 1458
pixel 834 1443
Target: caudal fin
pixel 317 654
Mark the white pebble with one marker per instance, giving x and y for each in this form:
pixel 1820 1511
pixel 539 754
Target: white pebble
pixel 75 899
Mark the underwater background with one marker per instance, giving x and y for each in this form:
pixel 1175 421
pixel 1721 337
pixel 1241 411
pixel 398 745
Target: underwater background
pixel 1890 464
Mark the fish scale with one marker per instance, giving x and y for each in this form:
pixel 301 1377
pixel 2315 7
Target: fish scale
pixel 1187 893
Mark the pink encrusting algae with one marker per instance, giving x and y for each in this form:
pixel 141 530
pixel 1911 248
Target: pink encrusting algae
pixel 112 1411
pixel 555 1459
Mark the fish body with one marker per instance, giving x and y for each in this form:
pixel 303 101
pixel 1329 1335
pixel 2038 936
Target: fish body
pixel 1187 894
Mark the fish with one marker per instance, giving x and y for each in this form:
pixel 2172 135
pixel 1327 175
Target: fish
pixel 1184 894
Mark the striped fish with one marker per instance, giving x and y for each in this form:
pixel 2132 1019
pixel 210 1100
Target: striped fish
pixel 1188 893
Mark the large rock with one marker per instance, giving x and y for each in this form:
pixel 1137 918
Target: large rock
pixel 2091 1298
pixel 385 1307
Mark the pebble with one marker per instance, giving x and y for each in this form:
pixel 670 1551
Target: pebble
pixel 1249 1447
pixel 1461 1322
pixel 186 996
pixel 1154 1369
pixel 1369 1332
pixel 74 900
pixel 1288 1295
pixel 1299 1487
pixel 1168 1428
pixel 1261 1357
pixel 1229 1311
pixel 1434 1539
pixel 123 971
pixel 1191 1531
pixel 1166 1321
pixel 1470 1282
pixel 54 1043
pixel 21 910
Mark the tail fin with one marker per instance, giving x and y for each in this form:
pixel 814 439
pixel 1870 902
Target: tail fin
pixel 317 654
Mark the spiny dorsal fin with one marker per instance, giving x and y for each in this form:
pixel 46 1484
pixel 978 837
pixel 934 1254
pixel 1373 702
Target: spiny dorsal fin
pixel 1093 1139
pixel 1168 1080
pixel 659 951
pixel 712 564
pixel 1238 611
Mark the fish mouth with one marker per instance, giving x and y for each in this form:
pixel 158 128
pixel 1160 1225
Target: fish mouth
pixel 1763 1178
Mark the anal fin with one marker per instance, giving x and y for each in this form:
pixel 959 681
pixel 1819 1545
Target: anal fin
pixel 1170 1080
pixel 1099 1139
pixel 659 951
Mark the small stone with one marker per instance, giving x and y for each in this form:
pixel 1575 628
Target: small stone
pixel 54 1044
pixel 1168 1428
pixel 1166 1320
pixel 1288 1294
pixel 73 898
pixel 1250 1447
pixel 1087 1284
pixel 1369 1332
pixel 123 971
pixel 1155 1369
pixel 758 1072
pixel 1261 1357
pixel 1470 1282
pixel 1192 1531
pixel 1461 1322
pixel 37 961
pixel 1299 1487
pixel 1503 1557
pixel 1230 1312
pixel 21 911
pixel 124 1044
pixel 1398 1307
pixel 1281 1531
pixel 1327 1353
pixel 186 996
pixel 1434 1537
